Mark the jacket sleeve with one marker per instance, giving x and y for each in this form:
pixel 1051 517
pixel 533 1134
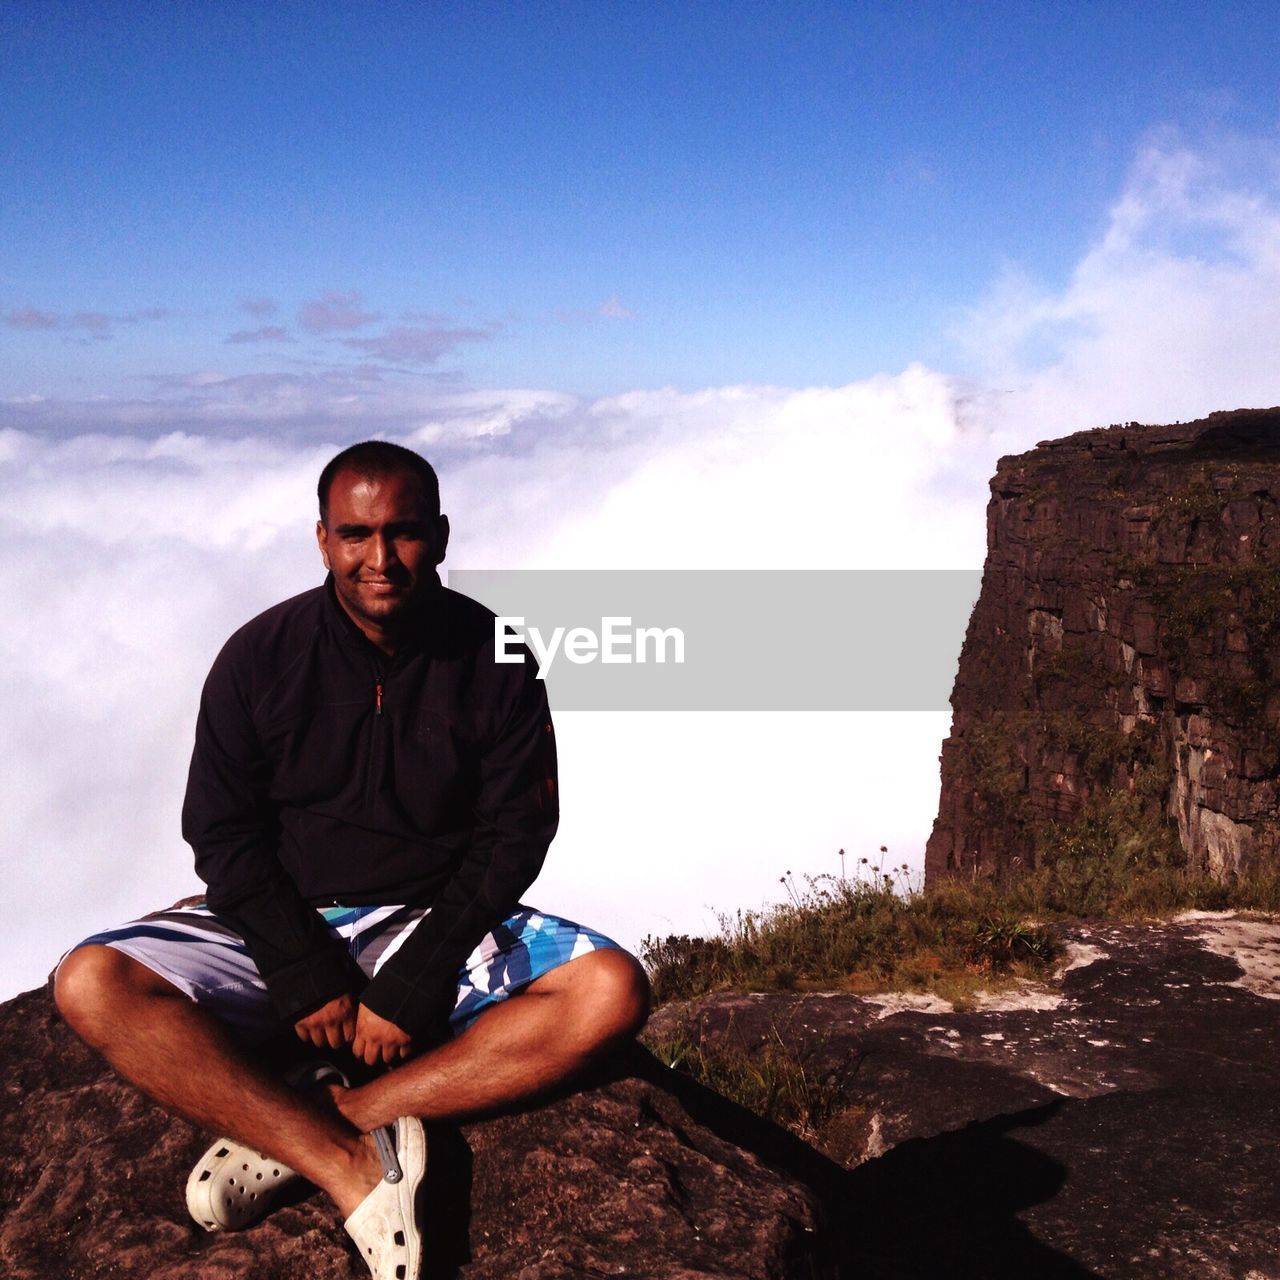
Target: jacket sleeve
pixel 516 814
pixel 229 822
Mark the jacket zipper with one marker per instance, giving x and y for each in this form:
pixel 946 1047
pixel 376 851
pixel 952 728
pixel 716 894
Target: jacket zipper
pixel 375 736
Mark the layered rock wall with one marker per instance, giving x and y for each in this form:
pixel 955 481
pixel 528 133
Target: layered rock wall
pixel 1125 647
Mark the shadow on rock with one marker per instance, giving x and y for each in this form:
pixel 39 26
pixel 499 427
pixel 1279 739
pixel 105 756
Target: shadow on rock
pixel 948 1206
pixel 932 1207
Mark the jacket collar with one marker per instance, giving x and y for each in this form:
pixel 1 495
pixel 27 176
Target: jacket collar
pixel 425 626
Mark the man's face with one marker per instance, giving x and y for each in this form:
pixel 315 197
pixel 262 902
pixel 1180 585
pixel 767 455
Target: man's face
pixel 382 542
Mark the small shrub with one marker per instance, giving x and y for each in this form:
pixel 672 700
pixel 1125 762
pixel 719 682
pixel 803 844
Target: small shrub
pixel 680 966
pixel 1002 939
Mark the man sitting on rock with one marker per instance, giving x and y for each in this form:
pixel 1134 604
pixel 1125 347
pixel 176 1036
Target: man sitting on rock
pixel 371 792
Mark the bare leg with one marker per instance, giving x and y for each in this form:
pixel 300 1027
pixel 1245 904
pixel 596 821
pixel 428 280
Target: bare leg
pixel 515 1050
pixel 182 1057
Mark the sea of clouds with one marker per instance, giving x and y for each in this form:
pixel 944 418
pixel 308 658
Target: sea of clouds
pixel 140 532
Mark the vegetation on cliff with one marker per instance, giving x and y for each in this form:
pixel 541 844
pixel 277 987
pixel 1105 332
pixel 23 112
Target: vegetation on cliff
pixel 880 931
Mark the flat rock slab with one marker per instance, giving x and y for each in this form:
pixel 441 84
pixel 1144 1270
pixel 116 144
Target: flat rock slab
pixel 621 1180
pixel 1122 1121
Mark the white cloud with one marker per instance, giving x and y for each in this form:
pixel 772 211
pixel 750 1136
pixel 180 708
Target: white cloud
pixel 264 333
pixel 612 309
pixel 31 318
pixel 97 324
pixel 139 533
pixel 416 345
pixel 1173 313
pixel 148 552
pixel 334 311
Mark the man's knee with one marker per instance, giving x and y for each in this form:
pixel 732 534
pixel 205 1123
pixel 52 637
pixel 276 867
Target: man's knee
pixel 90 982
pixel 614 993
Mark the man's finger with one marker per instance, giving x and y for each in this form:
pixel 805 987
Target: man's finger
pixel 334 1036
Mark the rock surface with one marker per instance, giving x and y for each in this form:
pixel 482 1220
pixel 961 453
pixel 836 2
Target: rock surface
pixel 1127 639
pixel 1121 1121
pixel 639 1175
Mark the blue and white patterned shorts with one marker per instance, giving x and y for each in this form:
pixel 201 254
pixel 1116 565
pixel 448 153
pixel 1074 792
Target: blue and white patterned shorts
pixel 204 957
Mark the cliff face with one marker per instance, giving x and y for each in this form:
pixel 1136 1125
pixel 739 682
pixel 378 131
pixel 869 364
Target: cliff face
pixel 1125 649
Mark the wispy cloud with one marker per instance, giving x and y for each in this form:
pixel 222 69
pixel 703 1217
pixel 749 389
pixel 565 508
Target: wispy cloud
pixel 335 311
pixel 30 318
pixel 407 345
pixel 97 324
pixel 261 308
pixel 1172 313
pixel 267 333
pixel 612 309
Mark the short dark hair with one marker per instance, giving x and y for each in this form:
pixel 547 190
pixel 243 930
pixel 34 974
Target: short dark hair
pixel 379 458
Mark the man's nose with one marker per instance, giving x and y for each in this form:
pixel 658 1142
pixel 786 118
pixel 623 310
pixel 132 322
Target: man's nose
pixel 382 553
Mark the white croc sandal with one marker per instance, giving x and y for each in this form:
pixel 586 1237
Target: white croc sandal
pixel 384 1224
pixel 233 1186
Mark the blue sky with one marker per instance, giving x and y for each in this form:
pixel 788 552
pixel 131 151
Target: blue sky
pixel 749 286
pixel 751 192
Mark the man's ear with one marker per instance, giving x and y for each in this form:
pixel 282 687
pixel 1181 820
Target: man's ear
pixel 442 537
pixel 322 541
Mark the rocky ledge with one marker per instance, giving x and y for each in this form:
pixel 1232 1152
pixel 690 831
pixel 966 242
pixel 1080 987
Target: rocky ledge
pixel 1120 1121
pixel 641 1174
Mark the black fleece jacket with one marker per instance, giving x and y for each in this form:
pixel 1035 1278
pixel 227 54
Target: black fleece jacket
pixel 325 772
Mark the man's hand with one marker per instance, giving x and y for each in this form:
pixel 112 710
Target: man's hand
pixel 331 1026
pixel 378 1040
